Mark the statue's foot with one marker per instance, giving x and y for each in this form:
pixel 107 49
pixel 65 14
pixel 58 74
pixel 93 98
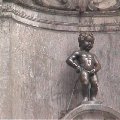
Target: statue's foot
pixel 93 99
pixel 85 99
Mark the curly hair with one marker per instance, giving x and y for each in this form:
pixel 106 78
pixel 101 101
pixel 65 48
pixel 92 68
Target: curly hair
pixel 85 36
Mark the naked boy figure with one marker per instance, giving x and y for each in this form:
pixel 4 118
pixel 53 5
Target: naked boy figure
pixel 86 64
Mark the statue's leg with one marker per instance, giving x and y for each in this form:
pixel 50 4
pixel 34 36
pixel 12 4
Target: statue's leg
pixel 94 87
pixel 84 78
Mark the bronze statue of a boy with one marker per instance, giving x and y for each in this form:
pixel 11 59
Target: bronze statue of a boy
pixel 87 65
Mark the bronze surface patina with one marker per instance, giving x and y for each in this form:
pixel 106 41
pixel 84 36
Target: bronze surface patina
pixel 87 65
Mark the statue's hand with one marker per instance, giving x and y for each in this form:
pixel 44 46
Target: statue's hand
pixel 78 69
pixel 92 71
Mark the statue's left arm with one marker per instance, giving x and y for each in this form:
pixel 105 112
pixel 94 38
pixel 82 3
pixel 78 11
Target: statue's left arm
pixel 97 64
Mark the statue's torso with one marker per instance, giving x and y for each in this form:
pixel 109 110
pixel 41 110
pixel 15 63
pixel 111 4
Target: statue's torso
pixel 86 60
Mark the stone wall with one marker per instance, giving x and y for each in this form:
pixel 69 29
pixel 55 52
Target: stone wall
pixel 35 81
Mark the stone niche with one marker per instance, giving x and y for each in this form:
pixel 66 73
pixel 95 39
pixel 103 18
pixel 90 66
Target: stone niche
pixel 36 39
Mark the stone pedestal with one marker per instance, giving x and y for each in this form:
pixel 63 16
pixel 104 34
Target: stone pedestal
pixel 93 112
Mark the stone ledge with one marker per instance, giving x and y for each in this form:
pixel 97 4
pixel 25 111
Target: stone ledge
pixel 86 22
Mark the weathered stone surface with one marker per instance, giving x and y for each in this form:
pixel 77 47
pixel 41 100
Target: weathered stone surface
pixel 39 72
pixel 35 80
pixel 5 72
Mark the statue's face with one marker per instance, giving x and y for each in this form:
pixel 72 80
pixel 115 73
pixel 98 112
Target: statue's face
pixel 88 43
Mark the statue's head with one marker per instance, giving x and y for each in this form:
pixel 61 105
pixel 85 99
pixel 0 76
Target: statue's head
pixel 86 40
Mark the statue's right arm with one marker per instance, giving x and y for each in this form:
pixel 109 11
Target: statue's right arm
pixel 72 61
